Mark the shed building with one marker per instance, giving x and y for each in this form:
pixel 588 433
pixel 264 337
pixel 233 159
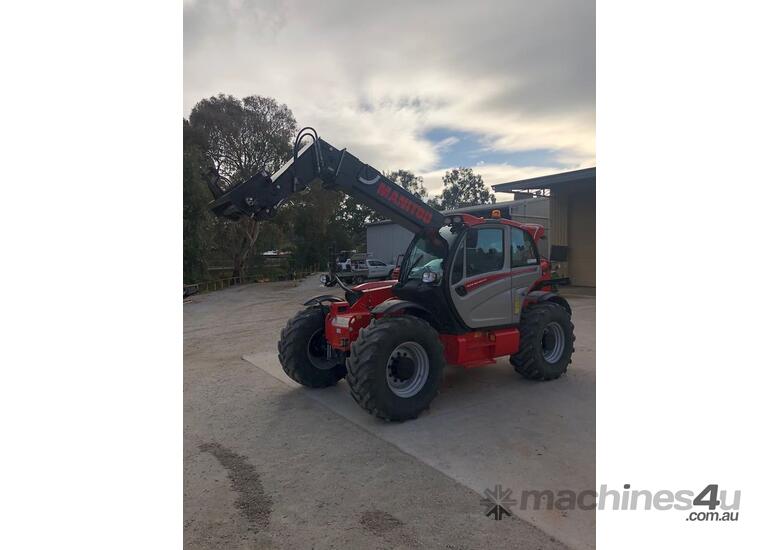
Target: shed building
pixel 572 224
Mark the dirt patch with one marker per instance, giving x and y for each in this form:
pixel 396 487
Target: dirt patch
pixel 252 501
pixel 379 522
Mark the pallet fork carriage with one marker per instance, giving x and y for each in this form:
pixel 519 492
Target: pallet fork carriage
pixel 470 290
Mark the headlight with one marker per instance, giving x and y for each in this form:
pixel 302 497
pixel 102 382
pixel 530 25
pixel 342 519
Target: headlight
pixel 430 277
pixel 341 321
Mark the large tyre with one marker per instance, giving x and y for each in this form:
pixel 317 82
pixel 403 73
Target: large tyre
pixel 546 342
pixel 395 367
pixel 302 351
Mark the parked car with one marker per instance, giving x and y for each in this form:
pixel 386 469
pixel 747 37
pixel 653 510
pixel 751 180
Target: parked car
pixel 378 269
pixel 356 274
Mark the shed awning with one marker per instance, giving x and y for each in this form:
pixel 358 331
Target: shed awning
pixel 548 182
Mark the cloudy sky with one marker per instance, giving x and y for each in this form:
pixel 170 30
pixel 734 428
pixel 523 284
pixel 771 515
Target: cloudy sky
pixel 506 87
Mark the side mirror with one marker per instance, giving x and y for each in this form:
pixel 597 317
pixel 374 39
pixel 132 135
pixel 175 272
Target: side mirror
pixel 430 277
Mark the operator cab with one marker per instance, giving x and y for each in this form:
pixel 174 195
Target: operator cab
pixel 473 272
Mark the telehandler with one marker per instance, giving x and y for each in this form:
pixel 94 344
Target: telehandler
pixel 470 290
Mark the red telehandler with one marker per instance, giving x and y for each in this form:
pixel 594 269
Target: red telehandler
pixel 470 290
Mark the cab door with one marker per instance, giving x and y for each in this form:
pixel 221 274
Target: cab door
pixel 480 282
pixel 525 266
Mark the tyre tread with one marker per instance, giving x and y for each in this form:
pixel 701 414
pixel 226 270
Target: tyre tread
pixel 360 374
pixel 290 357
pixel 524 361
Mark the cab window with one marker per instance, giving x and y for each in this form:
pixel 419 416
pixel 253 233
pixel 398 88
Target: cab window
pixel 523 251
pixel 484 251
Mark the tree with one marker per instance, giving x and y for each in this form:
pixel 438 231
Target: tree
pixel 435 202
pixel 242 137
pixel 196 198
pixel 462 187
pixel 312 214
pixel 410 182
pixel 245 136
pixel 353 217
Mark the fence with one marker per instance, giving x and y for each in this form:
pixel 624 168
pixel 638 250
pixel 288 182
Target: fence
pixel 261 276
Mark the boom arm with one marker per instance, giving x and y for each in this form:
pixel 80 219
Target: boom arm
pixel 261 195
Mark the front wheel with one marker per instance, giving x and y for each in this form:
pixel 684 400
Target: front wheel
pixel 546 342
pixel 395 367
pixel 303 351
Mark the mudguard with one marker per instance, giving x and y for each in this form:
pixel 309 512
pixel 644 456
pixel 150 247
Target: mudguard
pixel 546 296
pixel 392 306
pixel 318 300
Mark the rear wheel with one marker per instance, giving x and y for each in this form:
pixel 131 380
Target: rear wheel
pixel 303 351
pixel 546 342
pixel 395 367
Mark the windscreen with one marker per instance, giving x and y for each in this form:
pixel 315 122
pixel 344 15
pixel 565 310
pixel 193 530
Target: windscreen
pixel 428 252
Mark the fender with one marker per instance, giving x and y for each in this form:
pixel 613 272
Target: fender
pixel 318 300
pixel 541 283
pixel 392 306
pixel 537 296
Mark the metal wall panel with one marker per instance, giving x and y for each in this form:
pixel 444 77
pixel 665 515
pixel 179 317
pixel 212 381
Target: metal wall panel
pixel 582 236
pixel 386 241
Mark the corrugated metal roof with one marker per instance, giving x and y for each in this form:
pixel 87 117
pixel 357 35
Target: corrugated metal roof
pixel 544 182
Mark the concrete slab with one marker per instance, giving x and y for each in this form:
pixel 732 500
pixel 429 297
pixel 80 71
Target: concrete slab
pixel 489 426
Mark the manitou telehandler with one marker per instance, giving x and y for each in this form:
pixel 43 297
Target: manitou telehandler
pixel 469 290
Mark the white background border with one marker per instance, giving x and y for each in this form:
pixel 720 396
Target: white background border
pixel 688 368
pixel 687 270
pixel 92 226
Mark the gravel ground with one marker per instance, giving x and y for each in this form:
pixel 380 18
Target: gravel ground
pixel 267 467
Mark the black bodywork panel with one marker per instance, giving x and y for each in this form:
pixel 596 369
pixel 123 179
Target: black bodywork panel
pixel 319 300
pixel 391 306
pixel 546 296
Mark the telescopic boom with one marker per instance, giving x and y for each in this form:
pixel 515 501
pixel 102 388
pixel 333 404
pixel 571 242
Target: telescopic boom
pixel 260 196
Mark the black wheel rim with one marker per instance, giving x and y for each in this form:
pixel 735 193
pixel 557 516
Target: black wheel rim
pixel 317 350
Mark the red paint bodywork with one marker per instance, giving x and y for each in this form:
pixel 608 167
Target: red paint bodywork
pixel 343 322
pixel 472 349
pixel 475 349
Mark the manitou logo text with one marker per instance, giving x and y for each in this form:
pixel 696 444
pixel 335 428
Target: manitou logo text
pixel 404 203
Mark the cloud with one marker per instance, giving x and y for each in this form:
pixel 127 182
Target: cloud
pixel 375 77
